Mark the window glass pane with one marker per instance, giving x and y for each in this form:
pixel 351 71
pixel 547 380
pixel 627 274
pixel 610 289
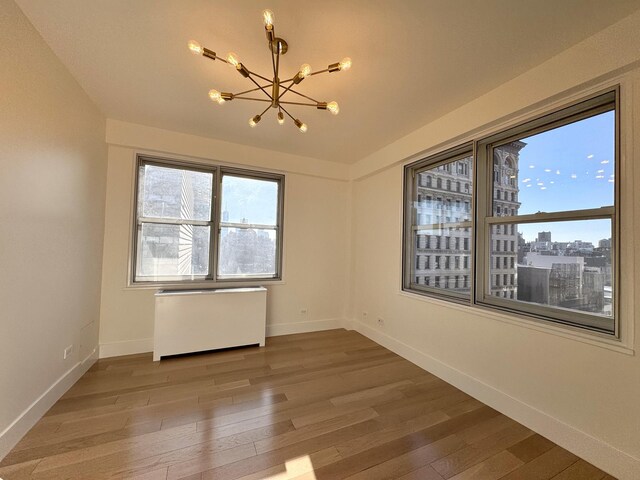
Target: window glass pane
pixel 565 264
pixel 174 193
pixel 442 259
pixel 246 252
pixel 443 194
pixel 566 168
pixel 173 251
pixel 249 200
pixel 441 237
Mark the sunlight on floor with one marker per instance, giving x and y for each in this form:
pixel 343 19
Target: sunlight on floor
pixel 295 468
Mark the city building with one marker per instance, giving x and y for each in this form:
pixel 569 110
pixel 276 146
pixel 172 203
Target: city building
pixel 563 281
pixel 443 247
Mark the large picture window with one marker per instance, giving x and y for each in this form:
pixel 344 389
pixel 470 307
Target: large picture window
pixel 545 224
pixel 197 223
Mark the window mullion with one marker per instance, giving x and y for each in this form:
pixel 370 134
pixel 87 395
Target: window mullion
pixel 588 214
pixel 215 225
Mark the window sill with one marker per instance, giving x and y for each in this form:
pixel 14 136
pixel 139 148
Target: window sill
pixel 559 330
pixel 204 285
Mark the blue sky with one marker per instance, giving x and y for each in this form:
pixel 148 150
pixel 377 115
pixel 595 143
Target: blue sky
pixel 255 200
pixel 569 168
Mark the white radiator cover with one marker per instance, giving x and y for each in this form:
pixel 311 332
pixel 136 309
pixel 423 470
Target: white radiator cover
pixel 189 321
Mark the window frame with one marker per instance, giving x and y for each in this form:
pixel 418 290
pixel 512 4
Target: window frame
pixel 212 278
pixel 431 163
pixel 586 108
pixel 607 99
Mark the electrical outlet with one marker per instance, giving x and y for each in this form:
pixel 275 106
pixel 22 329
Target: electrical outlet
pixel 364 315
pixel 67 352
pixel 303 311
pixel 380 322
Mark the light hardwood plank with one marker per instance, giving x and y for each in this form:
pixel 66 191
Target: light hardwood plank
pixel 313 406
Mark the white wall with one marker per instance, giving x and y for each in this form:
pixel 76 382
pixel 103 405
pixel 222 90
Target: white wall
pixel 52 184
pixel 582 394
pixel 315 236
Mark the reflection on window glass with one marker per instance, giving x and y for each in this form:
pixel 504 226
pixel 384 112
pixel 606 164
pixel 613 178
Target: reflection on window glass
pixel 174 193
pixel 567 168
pixel 444 193
pixel 247 251
pixel 443 259
pixel 173 250
pixel 441 232
pixel 566 265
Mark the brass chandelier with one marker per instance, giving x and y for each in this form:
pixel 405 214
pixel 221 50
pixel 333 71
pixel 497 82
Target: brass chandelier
pixel 274 89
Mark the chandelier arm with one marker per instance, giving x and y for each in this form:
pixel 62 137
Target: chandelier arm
pixel 259 86
pixel 299 103
pixel 250 98
pixel 319 72
pixel 286 89
pixel 303 95
pixel 252 90
pixel 265 110
pixel 285 111
pixel 259 76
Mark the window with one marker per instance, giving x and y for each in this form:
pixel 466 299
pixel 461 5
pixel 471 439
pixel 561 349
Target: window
pixel 567 164
pixel 447 234
pixel 197 223
pixel 556 175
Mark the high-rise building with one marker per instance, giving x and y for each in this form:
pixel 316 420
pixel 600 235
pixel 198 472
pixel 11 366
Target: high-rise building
pixel 504 238
pixel 443 247
pixel 544 236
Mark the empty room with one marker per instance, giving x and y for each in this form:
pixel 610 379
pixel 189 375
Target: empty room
pixel 319 240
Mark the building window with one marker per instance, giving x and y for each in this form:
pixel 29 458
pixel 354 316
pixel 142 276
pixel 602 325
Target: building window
pixel 205 224
pixel 569 193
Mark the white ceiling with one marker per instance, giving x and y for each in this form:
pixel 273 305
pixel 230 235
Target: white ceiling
pixel 413 60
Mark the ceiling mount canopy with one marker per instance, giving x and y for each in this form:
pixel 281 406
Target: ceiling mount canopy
pixel 274 89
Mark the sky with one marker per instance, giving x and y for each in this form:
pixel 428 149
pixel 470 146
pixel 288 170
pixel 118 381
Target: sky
pixel 253 199
pixel 569 168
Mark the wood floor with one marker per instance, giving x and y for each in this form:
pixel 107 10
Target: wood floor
pixel 324 405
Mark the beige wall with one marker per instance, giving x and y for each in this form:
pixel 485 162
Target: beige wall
pixel 581 393
pixel 315 237
pixel 52 184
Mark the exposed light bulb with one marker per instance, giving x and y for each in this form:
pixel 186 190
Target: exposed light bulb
pixel 232 58
pixel 333 107
pixel 301 126
pixel 268 17
pixel 195 47
pixel 215 95
pixel 254 121
pixel 305 70
pixel 280 118
pixel 345 63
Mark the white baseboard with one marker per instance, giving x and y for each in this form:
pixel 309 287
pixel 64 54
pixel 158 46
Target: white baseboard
pixel 304 327
pixel 144 345
pixel 126 347
pixel 11 435
pixel 601 454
